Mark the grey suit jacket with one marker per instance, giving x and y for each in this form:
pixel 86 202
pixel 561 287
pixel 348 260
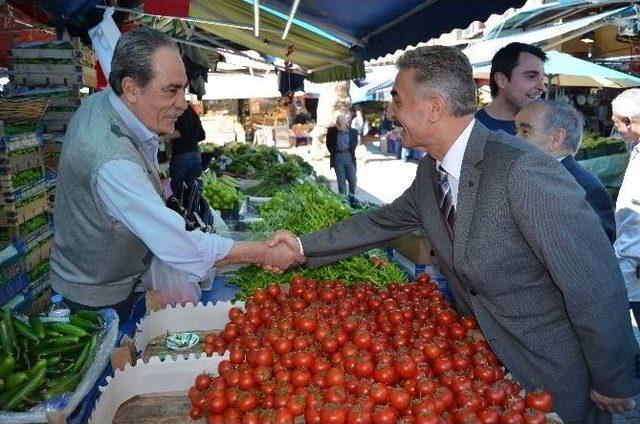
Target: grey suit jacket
pixel 528 258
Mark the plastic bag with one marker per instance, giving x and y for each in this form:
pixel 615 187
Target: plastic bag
pixel 176 285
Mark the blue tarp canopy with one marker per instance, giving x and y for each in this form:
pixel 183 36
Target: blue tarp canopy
pixel 382 27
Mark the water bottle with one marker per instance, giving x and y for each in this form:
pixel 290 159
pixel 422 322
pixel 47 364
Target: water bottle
pixel 59 310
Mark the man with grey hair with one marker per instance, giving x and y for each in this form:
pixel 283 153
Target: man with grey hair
pixel 513 237
pixel 110 216
pixel 341 143
pixel 626 119
pixel 556 128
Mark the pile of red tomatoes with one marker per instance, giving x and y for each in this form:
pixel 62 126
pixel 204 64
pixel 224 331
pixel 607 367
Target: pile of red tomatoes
pixel 326 353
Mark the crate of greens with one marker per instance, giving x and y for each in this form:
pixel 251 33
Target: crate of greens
pixel 13 272
pixel 29 234
pixel 12 215
pixel 50 366
pixel 15 137
pixel 18 188
pixel 21 160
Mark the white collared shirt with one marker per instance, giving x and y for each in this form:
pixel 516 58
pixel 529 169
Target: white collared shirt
pixel 452 161
pixel 627 244
pixel 131 200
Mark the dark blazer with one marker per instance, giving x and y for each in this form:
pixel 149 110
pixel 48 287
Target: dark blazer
pixel 597 196
pixel 332 141
pixel 527 258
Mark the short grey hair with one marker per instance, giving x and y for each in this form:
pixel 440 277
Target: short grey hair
pixel 444 71
pixel 133 56
pixel 627 104
pixel 342 118
pixel 562 115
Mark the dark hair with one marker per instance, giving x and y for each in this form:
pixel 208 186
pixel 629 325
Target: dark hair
pixel 507 58
pixel 133 56
pixel 445 71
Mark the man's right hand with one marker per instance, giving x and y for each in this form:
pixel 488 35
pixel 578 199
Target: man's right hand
pixel 282 245
pixel 285 237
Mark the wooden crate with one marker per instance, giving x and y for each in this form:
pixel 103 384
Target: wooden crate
pixel 85 77
pixel 55 126
pixel 39 254
pixel 64 101
pixel 14 198
pixel 14 164
pixel 57 116
pixel 10 215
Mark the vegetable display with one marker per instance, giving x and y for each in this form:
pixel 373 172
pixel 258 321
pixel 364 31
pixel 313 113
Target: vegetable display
pixel 27 176
pixel 305 208
pixel 41 360
pixel 328 353
pixel 221 193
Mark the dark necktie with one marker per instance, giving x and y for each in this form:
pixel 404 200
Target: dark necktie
pixel 446 197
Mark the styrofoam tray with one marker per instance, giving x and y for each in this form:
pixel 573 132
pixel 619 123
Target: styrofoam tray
pixel 182 318
pixel 155 376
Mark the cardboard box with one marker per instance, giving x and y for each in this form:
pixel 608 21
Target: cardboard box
pixel 149 380
pixel 200 319
pixel 414 247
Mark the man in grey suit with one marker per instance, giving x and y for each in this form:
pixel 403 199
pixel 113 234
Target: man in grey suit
pixel 520 247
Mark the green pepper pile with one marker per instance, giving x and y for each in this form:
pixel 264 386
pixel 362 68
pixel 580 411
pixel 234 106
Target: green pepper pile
pixel 305 208
pixel 221 193
pixel 39 270
pixel 39 361
pixel 247 159
pixel 280 176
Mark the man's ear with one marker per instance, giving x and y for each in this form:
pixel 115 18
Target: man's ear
pixel 558 137
pixel 500 79
pixel 436 107
pixel 130 89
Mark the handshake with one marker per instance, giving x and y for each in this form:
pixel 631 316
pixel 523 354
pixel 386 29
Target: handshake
pixel 281 251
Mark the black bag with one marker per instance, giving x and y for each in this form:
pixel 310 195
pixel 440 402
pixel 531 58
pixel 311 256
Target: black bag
pixel 192 207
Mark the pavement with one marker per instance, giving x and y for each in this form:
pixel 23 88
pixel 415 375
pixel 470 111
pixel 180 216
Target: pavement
pixel 381 179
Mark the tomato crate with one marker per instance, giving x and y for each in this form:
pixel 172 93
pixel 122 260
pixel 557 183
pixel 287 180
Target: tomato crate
pixel 13 276
pixel 16 163
pixel 12 215
pixel 13 142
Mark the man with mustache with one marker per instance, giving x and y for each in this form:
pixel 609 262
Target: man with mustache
pixel 516 78
pixel 110 216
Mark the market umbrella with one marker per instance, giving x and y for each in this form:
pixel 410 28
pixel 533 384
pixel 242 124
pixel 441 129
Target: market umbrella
pixel 565 70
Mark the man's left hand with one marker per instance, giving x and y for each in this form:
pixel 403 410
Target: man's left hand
pixel 611 404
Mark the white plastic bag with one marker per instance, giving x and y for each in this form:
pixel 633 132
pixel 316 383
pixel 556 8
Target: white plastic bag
pixel 104 37
pixel 176 285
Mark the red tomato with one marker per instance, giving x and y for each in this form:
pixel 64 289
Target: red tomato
pixel 406 367
pixel 358 415
pixel 484 373
pixel 333 413
pixel 399 399
pixel 203 381
pixel 296 404
pixel 540 400
pixel 379 393
pixel 195 413
pixel 469 322
pixel 446 317
pixel 496 395
pixel 385 415
pixel 489 416
pixel 384 373
pixel 534 416
pixel 457 331
pixel 335 377
pixel 300 378
pixel 217 404
pixel 511 417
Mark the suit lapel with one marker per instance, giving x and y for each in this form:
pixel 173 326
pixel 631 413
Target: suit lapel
pixel 467 190
pixel 433 216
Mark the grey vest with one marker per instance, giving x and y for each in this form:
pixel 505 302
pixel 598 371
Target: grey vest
pixel 93 262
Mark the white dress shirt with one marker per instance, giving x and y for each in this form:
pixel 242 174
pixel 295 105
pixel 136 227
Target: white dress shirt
pixel 627 244
pixel 452 161
pixel 131 200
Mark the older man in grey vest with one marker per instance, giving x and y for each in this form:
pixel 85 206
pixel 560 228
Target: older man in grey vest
pixel 110 216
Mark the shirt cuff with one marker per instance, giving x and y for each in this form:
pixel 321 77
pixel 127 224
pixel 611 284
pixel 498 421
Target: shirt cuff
pixel 300 245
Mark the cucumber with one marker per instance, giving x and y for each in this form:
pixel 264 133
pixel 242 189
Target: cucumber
pixel 92 316
pixel 6 365
pixel 83 323
pixel 7 318
pixel 37 326
pixel 42 363
pixel 65 384
pixel 51 334
pixel 54 360
pixel 57 350
pixel 65 341
pixel 25 331
pixel 26 389
pixel 68 329
pixel 5 339
pixel 14 380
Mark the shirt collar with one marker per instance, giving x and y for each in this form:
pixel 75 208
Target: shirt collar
pixel 452 161
pixel 139 130
pixel 561 158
